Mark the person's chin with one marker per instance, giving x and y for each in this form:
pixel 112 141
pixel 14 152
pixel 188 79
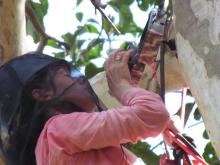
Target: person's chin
pixel 94 109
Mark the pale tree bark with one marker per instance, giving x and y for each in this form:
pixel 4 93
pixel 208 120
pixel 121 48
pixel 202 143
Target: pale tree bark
pixel 12 29
pixel 197 26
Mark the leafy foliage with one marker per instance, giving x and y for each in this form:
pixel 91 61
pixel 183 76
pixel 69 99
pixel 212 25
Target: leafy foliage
pixel 142 149
pixel 40 10
pixel 78 2
pixel 210 155
pixel 126 23
pixel 197 115
pixel 143 5
pixel 92 69
pixel 79 16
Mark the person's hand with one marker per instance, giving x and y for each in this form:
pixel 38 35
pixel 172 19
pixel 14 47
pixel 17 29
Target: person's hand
pixel 117 72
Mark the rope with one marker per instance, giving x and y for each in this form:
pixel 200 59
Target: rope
pixel 162 72
pixel 183 106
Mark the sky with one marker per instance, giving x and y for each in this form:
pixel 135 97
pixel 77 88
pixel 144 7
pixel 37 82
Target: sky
pixel 61 19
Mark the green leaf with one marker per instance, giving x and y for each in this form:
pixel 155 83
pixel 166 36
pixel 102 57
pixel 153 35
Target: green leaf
pixel 53 44
pixel 197 115
pixel 93 49
pixel 124 45
pixel 91 70
pixel 79 43
pixel 94 52
pixel 126 2
pixel 92 21
pixel 117 3
pixel 78 2
pixel 71 38
pixel 79 16
pixel 106 26
pixel 40 10
pixel 31 31
pixel 142 150
pixel 210 154
pixel 60 55
pixel 170 7
pixel 126 23
pixel 205 135
pixel 91 28
pixel 143 5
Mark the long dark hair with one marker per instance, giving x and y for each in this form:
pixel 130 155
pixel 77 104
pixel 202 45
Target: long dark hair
pixel 32 117
pixel 34 114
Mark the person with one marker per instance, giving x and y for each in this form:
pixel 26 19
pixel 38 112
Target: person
pixel 50 114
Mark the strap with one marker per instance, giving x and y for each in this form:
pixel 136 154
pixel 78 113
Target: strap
pixel 184 145
pixel 162 71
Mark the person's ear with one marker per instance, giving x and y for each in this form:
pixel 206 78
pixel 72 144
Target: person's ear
pixel 41 94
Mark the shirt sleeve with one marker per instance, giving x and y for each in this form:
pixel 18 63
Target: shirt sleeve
pixel 142 115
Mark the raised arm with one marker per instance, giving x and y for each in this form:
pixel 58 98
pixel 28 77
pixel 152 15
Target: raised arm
pixel 143 115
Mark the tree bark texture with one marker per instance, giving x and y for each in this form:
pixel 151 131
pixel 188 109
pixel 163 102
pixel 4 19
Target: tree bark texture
pixel 197 26
pixel 12 29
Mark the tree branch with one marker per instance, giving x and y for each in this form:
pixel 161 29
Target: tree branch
pixel 97 6
pixel 37 26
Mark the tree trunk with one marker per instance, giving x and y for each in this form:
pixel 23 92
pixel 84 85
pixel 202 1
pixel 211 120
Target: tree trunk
pixel 197 26
pixel 12 29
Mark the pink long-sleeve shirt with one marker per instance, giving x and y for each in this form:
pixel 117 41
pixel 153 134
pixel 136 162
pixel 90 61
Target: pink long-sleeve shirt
pixel 82 138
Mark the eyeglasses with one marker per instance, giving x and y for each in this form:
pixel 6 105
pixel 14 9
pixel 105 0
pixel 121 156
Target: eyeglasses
pixel 76 73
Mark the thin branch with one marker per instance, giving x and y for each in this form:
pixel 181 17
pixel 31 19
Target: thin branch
pixel 183 107
pixel 157 145
pixel 37 26
pixel 106 17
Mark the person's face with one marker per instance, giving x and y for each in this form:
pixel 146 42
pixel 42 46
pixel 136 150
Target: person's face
pixel 74 90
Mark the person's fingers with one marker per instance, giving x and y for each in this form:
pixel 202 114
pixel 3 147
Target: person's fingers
pixel 127 56
pixel 114 54
pixel 111 57
pixel 105 64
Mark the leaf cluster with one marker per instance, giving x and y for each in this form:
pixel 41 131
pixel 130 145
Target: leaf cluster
pixel 87 41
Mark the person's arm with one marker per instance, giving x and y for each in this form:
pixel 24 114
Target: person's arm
pixel 143 115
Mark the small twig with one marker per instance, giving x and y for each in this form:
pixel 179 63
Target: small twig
pixel 106 17
pixel 42 44
pixel 160 143
pixel 37 26
pixel 183 106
